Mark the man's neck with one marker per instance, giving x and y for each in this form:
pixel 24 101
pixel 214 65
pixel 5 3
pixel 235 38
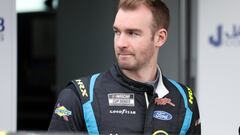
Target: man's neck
pixel 146 74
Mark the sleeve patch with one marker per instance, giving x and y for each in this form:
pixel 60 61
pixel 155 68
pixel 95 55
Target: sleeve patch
pixel 82 88
pixel 62 111
pixel 190 96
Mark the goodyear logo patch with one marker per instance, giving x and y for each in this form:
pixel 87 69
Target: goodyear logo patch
pixel 61 111
pixel 82 88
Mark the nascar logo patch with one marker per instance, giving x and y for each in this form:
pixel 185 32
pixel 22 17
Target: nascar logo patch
pixel 121 99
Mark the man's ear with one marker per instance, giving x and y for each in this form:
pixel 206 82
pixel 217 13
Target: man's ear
pixel 160 37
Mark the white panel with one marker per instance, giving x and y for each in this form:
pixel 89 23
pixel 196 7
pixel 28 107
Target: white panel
pixel 8 54
pixel 218 66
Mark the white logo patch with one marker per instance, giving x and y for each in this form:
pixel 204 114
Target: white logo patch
pixel 121 99
pixel 123 111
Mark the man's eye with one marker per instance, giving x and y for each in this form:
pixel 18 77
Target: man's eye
pixel 116 32
pixel 132 33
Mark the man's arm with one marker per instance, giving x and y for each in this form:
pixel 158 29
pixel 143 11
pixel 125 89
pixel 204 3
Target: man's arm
pixel 195 127
pixel 67 115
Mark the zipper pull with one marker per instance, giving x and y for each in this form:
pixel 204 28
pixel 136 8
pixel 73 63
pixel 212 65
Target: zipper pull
pixel 146 98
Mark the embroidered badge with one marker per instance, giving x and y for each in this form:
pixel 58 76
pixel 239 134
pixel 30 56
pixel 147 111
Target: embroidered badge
pixel 62 112
pixel 162 115
pixel 160 132
pixel 164 101
pixel 121 99
pixel 82 88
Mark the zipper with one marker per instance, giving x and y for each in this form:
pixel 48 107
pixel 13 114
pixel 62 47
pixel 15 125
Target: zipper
pixel 148 126
pixel 146 98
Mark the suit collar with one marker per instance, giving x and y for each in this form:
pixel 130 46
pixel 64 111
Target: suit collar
pixel 161 89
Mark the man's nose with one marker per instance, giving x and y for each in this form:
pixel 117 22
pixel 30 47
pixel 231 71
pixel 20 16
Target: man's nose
pixel 122 41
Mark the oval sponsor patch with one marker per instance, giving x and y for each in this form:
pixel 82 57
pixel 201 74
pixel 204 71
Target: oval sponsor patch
pixel 162 115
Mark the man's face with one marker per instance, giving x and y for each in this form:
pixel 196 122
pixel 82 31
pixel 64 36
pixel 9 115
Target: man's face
pixel 133 40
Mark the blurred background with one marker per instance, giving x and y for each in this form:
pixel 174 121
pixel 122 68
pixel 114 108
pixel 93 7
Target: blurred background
pixel 54 41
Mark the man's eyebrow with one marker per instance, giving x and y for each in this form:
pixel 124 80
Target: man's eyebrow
pixel 133 29
pixel 115 28
pixel 128 29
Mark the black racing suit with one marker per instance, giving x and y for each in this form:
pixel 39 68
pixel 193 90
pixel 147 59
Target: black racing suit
pixel 111 103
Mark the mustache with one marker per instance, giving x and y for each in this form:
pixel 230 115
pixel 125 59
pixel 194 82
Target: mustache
pixel 124 52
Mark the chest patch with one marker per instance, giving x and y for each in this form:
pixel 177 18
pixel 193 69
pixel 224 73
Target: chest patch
pixel 162 115
pixel 121 99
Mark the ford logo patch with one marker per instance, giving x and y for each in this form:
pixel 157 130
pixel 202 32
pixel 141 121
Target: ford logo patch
pixel 162 115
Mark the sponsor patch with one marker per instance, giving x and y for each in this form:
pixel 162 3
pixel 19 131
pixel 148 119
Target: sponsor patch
pixel 190 95
pixel 121 99
pixel 162 115
pixel 82 88
pixel 61 111
pixel 123 111
pixel 160 132
pixel 164 101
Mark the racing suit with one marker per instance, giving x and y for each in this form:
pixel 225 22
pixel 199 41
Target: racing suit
pixel 111 103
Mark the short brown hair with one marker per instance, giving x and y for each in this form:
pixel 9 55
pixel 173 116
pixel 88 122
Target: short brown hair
pixel 159 11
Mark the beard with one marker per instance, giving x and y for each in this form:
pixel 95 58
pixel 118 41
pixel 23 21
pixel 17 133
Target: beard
pixel 127 66
pixel 127 63
pixel 132 62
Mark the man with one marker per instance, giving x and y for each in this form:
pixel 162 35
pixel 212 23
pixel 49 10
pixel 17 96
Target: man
pixel 132 97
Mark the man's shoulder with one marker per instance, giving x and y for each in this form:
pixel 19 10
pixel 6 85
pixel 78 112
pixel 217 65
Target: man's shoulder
pixel 86 77
pixel 81 85
pixel 186 92
pixel 180 86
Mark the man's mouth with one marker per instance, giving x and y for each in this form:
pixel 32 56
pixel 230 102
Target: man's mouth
pixel 124 56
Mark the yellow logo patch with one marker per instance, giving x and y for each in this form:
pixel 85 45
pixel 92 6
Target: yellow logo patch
pixel 160 132
pixel 82 88
pixel 62 112
pixel 190 95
